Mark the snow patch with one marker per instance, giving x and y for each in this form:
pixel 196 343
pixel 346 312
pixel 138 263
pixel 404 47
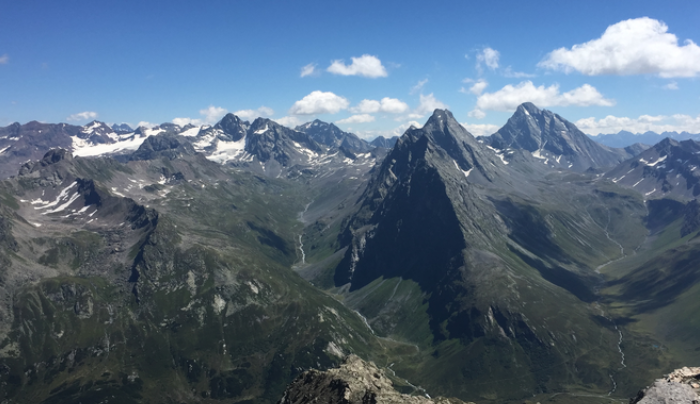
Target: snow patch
pixel 657 161
pixel 227 151
pixel 466 173
pixel 192 132
pixel 261 131
pixel 61 196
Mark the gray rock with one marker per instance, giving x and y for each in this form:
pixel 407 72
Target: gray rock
pixel 354 382
pixel 680 386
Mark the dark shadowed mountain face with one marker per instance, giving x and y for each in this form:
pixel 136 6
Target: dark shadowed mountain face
pixel 162 265
pixel 330 135
pixel 554 140
pixel 469 253
pixel 381 141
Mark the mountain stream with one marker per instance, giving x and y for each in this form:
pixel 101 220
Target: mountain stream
pixel 301 242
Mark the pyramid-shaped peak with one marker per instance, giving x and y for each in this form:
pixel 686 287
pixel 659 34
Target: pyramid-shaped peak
pixel 439 119
pixel 528 108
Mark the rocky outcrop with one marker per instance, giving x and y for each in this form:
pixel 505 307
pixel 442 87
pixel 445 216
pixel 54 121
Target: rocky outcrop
pixel 680 386
pixel 354 382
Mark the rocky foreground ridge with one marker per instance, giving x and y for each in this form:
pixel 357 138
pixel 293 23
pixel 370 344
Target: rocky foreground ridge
pixel 680 386
pixel 354 382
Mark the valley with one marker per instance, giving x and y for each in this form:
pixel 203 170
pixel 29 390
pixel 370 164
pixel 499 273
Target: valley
pixel 216 264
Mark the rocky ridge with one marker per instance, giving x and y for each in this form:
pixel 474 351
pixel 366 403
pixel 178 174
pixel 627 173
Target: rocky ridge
pixel 354 382
pixel 680 386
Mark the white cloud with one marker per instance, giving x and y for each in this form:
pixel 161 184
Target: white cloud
pixel 309 70
pixel 508 72
pixel 388 105
pixel 365 65
pixel 361 118
pixel 428 104
pixel 212 114
pixel 398 131
pixel 187 121
pixel 288 121
pixel 319 102
pixel 645 123
pixel 635 46
pixel 477 113
pixel 367 107
pixel 145 124
pixel 489 57
pixel 393 106
pixel 509 97
pixel 478 87
pixel 82 116
pixel 671 86
pixel 419 86
pixel 251 114
pixel 477 129
pixel 4 59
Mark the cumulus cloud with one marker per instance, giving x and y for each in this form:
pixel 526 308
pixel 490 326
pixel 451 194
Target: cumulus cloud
pixel 478 87
pixel 388 105
pixel 251 114
pixel 484 129
pixel 398 131
pixel 635 46
pixel 365 65
pixel 477 113
pixel 82 116
pixel 288 121
pixel 4 59
pixel 360 118
pixel 428 104
pixel 645 123
pixel 309 70
pixel 145 124
pixel 210 116
pixel 488 57
pixel 186 121
pixel 367 107
pixel 418 87
pixel 319 102
pixel 509 97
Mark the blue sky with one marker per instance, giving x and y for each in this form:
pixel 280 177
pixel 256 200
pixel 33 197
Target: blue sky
pixel 371 67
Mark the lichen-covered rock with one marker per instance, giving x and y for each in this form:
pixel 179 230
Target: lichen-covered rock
pixel 680 386
pixel 354 382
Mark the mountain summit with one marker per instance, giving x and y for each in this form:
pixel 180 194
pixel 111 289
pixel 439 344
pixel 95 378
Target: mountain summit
pixel 331 135
pixel 554 140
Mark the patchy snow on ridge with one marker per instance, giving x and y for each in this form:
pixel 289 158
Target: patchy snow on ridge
pixel 657 161
pixel 261 131
pixel 466 173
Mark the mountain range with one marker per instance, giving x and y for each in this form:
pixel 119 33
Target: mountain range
pixel 624 138
pixel 217 263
